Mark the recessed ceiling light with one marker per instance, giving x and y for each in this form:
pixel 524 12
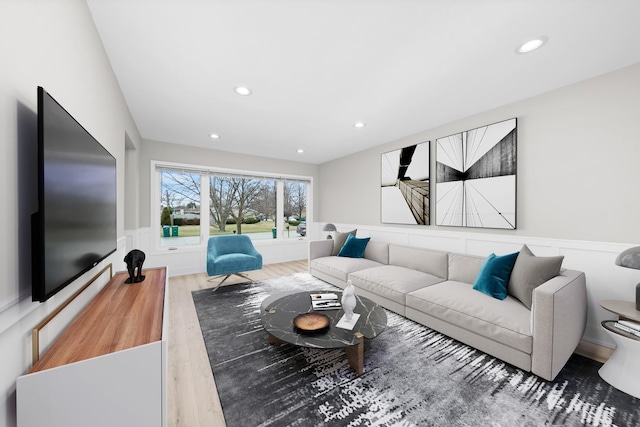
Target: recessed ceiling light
pixel 214 136
pixel 532 44
pixel 244 91
pixel 300 151
pixel 358 125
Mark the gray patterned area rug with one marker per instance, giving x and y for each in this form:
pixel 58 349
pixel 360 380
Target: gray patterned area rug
pixel 413 376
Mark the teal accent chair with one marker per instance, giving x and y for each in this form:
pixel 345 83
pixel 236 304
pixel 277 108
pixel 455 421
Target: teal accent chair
pixel 231 254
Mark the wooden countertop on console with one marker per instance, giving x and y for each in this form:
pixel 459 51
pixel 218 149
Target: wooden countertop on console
pixel 121 316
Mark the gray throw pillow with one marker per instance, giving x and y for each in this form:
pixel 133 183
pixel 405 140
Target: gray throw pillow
pixel 529 272
pixel 465 268
pixel 339 239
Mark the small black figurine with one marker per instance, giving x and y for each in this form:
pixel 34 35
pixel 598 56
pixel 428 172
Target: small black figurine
pixel 134 259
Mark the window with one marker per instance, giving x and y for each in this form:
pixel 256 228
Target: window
pixel 179 208
pixel 196 203
pixel 295 208
pixel 242 206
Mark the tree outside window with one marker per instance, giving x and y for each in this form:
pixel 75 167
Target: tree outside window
pixel 179 208
pixel 241 205
pixel 236 205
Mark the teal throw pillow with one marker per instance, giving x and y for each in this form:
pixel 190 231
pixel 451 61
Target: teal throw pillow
pixel 494 275
pixel 354 247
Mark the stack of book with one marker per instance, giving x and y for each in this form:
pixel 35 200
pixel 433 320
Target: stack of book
pixel 628 326
pixel 325 302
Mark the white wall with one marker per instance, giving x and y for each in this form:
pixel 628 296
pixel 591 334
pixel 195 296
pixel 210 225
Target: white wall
pixel 578 168
pixel 578 178
pixel 53 44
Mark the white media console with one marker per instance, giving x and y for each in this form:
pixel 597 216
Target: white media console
pixel 109 367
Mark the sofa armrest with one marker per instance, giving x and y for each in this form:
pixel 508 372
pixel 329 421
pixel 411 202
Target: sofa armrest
pixel 559 318
pixel 320 248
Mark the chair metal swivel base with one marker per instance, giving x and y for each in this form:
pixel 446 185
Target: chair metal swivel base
pixel 244 276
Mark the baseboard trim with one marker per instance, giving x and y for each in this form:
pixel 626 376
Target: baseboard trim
pixel 594 351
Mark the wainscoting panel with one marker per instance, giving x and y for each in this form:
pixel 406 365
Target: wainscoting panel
pixel 604 279
pixel 442 243
pixel 191 260
pixel 486 246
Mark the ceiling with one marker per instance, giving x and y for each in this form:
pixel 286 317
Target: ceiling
pixel 316 67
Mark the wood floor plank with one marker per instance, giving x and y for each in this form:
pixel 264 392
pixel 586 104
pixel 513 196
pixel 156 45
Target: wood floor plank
pixel 191 392
pixel 180 390
pixel 203 382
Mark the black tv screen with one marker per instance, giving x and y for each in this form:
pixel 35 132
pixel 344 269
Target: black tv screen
pixel 75 226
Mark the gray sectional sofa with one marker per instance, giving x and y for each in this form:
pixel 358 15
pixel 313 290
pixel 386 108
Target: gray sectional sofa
pixel 435 289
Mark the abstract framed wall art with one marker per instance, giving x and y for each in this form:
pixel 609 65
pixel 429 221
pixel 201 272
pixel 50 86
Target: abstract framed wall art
pixel 404 185
pixel 476 177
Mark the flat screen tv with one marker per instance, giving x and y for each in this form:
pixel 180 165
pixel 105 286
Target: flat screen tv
pixel 75 226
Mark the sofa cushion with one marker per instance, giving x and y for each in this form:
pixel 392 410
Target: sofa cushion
pixel 392 282
pixel 424 260
pixel 494 275
pixel 354 247
pixel 464 268
pixel 340 267
pixel 339 239
pixel 506 321
pixel 529 272
pixel 377 251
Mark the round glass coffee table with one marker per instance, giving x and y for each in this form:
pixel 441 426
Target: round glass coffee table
pixel 279 314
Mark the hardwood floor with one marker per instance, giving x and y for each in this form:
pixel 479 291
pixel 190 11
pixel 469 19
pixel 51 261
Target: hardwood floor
pixel 192 397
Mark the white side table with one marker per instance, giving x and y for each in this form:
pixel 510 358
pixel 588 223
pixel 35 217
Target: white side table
pixel 622 370
pixel 626 310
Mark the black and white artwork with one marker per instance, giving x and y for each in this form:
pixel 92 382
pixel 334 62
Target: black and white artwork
pixel 404 185
pixel 476 177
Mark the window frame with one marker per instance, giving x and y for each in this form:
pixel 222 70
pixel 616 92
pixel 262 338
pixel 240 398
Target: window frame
pixel 205 172
pixel 204 190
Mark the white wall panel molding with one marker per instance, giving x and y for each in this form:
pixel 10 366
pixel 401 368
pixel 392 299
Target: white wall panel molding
pixel 604 279
pixel 185 260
